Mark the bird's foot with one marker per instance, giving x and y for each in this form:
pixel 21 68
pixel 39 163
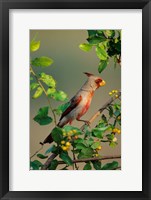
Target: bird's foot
pixel 87 123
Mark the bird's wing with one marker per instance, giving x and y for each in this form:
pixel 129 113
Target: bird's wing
pixel 74 102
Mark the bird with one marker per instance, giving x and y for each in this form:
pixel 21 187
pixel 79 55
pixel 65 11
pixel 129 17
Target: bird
pixel 80 103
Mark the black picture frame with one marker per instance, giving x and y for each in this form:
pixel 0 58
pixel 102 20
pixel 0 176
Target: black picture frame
pixel 5 5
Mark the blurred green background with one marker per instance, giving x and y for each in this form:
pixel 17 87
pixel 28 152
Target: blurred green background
pixel 69 64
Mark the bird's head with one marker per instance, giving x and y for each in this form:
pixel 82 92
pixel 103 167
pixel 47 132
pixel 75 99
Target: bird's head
pixel 94 81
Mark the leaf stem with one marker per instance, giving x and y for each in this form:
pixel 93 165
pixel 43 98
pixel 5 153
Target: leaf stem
pixel 34 74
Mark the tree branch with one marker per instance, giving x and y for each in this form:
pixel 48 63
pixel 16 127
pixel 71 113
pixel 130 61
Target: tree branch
pixel 92 159
pixel 47 163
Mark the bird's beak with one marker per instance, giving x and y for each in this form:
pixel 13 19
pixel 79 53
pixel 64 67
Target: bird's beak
pixel 102 83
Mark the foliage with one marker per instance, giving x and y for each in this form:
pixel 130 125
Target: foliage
pixel 86 143
pixel 107 44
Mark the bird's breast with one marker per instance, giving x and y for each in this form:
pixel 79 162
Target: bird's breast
pixel 85 104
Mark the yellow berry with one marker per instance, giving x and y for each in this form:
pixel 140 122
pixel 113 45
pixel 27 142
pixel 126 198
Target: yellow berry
pixel 119 131
pixel 116 96
pixel 110 93
pixel 99 148
pixel 64 148
pixel 64 134
pixel 68 144
pixel 116 91
pixel 96 155
pixel 119 117
pixel 113 91
pixel 70 133
pixel 114 139
pixel 62 142
pixel 74 131
pixel 114 130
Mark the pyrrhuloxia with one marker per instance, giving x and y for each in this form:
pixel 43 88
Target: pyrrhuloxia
pixel 80 103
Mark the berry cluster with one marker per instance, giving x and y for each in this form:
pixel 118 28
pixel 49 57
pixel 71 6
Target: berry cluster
pixel 65 145
pixel 68 137
pixel 114 93
pixel 116 130
pixel 97 149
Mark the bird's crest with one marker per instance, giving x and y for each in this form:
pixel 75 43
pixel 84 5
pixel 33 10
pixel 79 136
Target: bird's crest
pixel 88 74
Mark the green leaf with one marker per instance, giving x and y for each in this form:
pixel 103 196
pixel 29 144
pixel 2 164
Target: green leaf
pixel 95 40
pixel 49 150
pixel 90 141
pixel 62 108
pixel 109 33
pixel 42 117
pixel 80 146
pixel 96 165
pixel 59 96
pixel 110 166
pixel 104 118
pixel 85 47
pixel 117 113
pixel 79 140
pixel 113 144
pixel 100 33
pixel 102 65
pixel 101 52
pixel 53 165
pixel 92 33
pixel 31 78
pixel 38 93
pixel 41 156
pixel 110 111
pixel 34 45
pixel 33 86
pixel 110 136
pixel 48 80
pixel 57 134
pixel 117 106
pixel 65 157
pixel 87 167
pixel 42 61
pixel 51 91
pixel 35 165
pixel 86 153
pixel 97 133
pixel 95 145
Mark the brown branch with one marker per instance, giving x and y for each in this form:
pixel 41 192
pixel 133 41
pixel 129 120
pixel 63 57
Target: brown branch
pixel 101 109
pixel 92 159
pixel 47 163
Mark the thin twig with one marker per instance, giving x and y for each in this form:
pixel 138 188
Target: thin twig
pixel 34 74
pixel 36 152
pixel 92 159
pixel 74 158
